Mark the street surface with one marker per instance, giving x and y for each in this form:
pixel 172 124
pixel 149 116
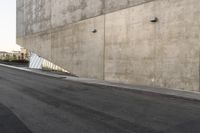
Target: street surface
pixel 31 103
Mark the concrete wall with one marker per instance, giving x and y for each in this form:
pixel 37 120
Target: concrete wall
pixel 42 15
pixel 126 48
pixel 79 50
pixel 162 54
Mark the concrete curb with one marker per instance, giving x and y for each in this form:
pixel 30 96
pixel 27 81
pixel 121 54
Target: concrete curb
pixel 33 71
pixel 161 91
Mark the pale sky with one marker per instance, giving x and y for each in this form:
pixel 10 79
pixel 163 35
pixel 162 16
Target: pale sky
pixel 8 25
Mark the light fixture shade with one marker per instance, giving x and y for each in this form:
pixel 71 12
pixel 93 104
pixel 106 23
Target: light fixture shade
pixel 154 19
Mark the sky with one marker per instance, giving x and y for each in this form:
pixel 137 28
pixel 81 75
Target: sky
pixel 8 25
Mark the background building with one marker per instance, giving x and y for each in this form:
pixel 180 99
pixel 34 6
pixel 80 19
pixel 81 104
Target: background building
pixel 3 55
pixel 142 42
pixel 23 54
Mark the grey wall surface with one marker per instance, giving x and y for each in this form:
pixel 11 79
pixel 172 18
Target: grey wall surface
pixel 80 49
pixel 42 15
pixel 126 48
pixel 37 16
pixel 162 54
pixel 20 18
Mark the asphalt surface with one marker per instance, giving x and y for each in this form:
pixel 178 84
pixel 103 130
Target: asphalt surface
pixel 9 123
pixel 31 103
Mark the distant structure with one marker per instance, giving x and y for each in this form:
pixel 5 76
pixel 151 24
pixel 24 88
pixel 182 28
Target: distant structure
pixel 23 54
pixel 3 55
pixel 141 42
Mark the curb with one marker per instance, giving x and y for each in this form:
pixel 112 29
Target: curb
pixel 189 95
pixel 32 71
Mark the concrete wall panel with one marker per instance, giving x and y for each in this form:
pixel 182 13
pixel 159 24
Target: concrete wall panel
pixel 37 15
pixel 41 15
pixel 39 43
pixel 75 10
pixel 20 19
pixel 78 49
pixel 63 47
pixel 177 50
pixel 43 42
pixel 114 5
pixel 162 54
pixel 69 11
pixel 130 46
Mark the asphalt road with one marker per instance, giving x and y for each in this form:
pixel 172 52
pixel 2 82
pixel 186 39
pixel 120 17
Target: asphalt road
pixel 31 103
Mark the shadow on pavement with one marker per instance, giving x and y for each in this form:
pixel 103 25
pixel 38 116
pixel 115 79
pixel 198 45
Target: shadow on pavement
pixel 9 123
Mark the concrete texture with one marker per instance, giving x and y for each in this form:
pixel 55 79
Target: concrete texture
pixel 20 19
pixel 81 49
pixel 40 15
pixel 162 54
pixel 114 5
pixel 126 48
pixel 37 16
pixel 74 10
pixel 51 105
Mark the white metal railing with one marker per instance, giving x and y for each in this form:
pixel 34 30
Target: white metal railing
pixel 37 62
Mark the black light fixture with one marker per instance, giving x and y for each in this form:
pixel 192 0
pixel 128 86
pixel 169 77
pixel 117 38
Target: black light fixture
pixel 94 31
pixel 154 19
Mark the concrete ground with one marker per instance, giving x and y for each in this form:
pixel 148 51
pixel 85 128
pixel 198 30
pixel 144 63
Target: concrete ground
pixel 41 104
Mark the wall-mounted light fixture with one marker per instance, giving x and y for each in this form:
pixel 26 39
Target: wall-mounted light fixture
pixel 94 31
pixel 154 19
